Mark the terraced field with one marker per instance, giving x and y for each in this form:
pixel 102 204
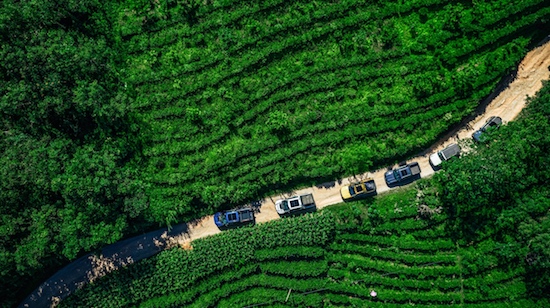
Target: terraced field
pixel 246 98
pixel 340 258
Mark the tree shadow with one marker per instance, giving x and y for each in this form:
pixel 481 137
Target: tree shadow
pixel 328 185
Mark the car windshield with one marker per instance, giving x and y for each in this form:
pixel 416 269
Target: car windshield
pixel 370 185
pixel 351 191
pixel 396 175
pixel 284 205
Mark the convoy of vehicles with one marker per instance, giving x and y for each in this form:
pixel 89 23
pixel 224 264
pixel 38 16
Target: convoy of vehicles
pixel 492 123
pixel 234 218
pixel 402 174
pixel 436 159
pixel 358 190
pixel 295 203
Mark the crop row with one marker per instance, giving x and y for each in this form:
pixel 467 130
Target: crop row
pixel 272 24
pixel 230 71
pixel 205 286
pixel 357 262
pixel 177 14
pixel 393 254
pixel 260 296
pixel 253 57
pixel 389 295
pixel 455 50
pixel 297 269
pixel 170 31
pixel 511 290
pixel 218 161
pixel 256 34
pixel 399 242
pixel 263 296
pixel 290 253
pixel 375 279
pixel 356 68
pixel 487 280
pixel 347 300
pixel 272 282
pixel 436 231
pixel 448 95
pixel 497 13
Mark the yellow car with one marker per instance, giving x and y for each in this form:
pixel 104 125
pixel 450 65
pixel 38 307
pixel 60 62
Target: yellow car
pixel 358 190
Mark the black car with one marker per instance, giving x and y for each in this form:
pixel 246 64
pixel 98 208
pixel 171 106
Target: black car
pixel 492 123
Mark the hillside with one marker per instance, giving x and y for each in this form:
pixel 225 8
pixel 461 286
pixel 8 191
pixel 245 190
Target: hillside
pixel 118 117
pixel 474 235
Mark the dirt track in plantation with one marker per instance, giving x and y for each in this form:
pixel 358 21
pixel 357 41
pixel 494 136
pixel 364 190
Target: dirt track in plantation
pixel 507 102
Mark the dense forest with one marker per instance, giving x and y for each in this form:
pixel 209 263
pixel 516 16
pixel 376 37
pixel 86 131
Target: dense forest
pixel 121 116
pixel 476 234
pixel 69 139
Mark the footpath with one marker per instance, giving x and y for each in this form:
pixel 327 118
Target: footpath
pixel 506 102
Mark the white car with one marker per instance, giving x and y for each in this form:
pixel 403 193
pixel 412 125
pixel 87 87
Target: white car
pixel 294 203
pixel 447 153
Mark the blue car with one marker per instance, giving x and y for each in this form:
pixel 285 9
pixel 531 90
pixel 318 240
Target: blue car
pixel 234 218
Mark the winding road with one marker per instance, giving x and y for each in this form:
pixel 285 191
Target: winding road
pixel 507 102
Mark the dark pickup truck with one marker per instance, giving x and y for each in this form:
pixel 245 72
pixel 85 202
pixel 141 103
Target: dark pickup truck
pixel 402 174
pixel 234 218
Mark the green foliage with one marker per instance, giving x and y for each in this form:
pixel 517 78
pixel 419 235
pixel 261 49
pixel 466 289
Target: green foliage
pixel 500 191
pixel 120 115
pixel 68 135
pixel 223 258
pixel 268 96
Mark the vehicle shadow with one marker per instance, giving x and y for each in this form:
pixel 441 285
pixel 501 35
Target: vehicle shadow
pixel 435 168
pixel 236 226
pixel 361 198
pixel 300 212
pixel 404 182
pixel 328 185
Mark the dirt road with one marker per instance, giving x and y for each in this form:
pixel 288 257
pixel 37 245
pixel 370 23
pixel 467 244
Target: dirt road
pixel 507 104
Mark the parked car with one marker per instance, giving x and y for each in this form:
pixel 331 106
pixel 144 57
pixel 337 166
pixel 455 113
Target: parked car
pixel 234 218
pixel 402 174
pixel 492 123
pixel 358 190
pixel 295 203
pixel 447 153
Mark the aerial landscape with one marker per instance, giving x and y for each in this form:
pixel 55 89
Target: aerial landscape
pixel 203 153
